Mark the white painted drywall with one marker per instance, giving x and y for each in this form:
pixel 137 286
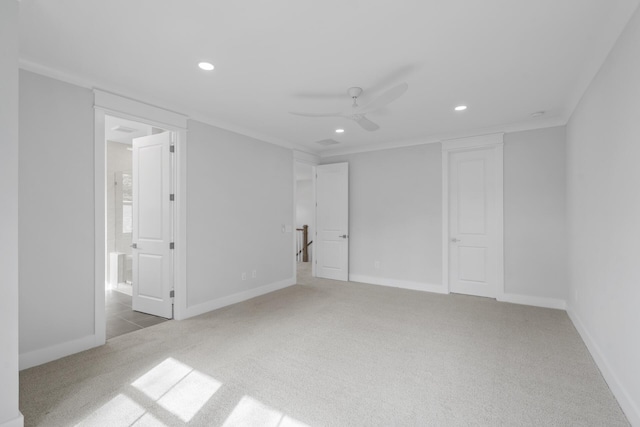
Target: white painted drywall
pixel 535 255
pixel 56 202
pixel 395 215
pixel 603 193
pixel 9 412
pixel 240 194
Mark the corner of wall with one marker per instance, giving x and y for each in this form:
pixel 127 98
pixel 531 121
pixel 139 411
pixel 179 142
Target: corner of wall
pixel 403 284
pixel 621 394
pixel 217 303
pixel 58 351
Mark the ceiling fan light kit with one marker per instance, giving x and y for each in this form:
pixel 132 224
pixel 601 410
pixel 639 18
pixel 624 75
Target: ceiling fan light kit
pixel 357 113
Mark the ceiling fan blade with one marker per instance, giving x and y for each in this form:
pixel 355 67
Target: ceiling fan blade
pixel 384 99
pixel 319 95
pixel 365 123
pixel 317 114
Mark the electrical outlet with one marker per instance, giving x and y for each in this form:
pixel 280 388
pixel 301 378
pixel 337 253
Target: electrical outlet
pixel 244 276
pixel 376 265
pixel 254 274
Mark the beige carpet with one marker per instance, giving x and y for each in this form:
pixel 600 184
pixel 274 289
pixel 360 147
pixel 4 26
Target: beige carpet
pixel 332 353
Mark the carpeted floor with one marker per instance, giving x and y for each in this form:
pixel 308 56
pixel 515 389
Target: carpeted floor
pixel 332 353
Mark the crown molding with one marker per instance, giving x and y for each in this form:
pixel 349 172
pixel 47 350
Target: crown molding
pixel 77 80
pixel 431 139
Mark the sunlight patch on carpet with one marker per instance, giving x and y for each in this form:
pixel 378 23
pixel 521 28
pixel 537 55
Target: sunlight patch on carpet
pixel 250 411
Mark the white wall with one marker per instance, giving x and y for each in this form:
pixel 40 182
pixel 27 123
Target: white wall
pixel 396 217
pixel 56 202
pixel 9 413
pixel 240 193
pixel 395 210
pixel 535 256
pixel 603 192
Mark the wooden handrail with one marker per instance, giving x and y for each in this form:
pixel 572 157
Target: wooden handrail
pixel 305 243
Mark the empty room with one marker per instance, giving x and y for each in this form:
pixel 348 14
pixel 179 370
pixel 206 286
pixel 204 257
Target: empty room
pixel 298 213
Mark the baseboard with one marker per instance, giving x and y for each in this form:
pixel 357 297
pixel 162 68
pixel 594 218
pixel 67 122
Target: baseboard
pixel 15 422
pixel 57 351
pixel 394 283
pixel 625 400
pixel 559 304
pixel 215 304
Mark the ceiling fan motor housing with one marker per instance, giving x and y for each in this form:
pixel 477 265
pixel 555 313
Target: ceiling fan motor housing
pixel 354 92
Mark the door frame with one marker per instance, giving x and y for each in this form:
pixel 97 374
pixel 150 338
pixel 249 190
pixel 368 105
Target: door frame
pixel 106 103
pixel 496 143
pixel 313 161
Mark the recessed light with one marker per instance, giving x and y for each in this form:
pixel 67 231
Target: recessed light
pixel 537 114
pixel 460 108
pixel 207 66
pixel 339 130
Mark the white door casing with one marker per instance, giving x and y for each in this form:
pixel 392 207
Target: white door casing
pixel 332 221
pixel 473 218
pixel 152 225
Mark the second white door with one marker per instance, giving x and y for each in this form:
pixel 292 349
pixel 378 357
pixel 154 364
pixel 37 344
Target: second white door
pixel 152 223
pixel 473 225
pixel 332 221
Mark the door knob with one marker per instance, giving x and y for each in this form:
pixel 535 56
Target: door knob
pixel 344 236
pixel 134 246
pixel 454 240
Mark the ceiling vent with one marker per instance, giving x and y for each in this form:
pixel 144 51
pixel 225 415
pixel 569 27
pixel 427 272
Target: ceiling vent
pixel 124 129
pixel 327 142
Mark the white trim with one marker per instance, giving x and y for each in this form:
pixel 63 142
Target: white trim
pixel 496 141
pixel 556 303
pixel 478 141
pixel 115 103
pixel 215 304
pixel 110 104
pixel 17 421
pixel 57 351
pixel 180 222
pixel 394 283
pixel 74 79
pixel 622 395
pixel 304 157
pixel 542 123
pixel 99 225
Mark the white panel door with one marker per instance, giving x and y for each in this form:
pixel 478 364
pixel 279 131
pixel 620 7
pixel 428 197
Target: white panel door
pixel 473 262
pixel 152 225
pixel 332 221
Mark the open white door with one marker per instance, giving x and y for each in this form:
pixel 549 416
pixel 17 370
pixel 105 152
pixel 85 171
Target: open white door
pixel 474 246
pixel 332 221
pixel 152 221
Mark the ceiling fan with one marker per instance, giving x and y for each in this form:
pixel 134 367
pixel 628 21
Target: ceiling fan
pixel 357 113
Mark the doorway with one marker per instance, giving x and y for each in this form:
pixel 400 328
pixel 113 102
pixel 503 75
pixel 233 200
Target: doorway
pixel 122 207
pixel 305 220
pixel 473 251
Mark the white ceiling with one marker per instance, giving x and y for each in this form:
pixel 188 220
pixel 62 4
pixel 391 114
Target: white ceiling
pixel 505 59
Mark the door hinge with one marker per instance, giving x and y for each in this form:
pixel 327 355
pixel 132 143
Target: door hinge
pixel 172 245
pixel 172 197
pixel 172 293
pixel 172 148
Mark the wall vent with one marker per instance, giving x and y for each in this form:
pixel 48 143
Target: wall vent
pixel 124 129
